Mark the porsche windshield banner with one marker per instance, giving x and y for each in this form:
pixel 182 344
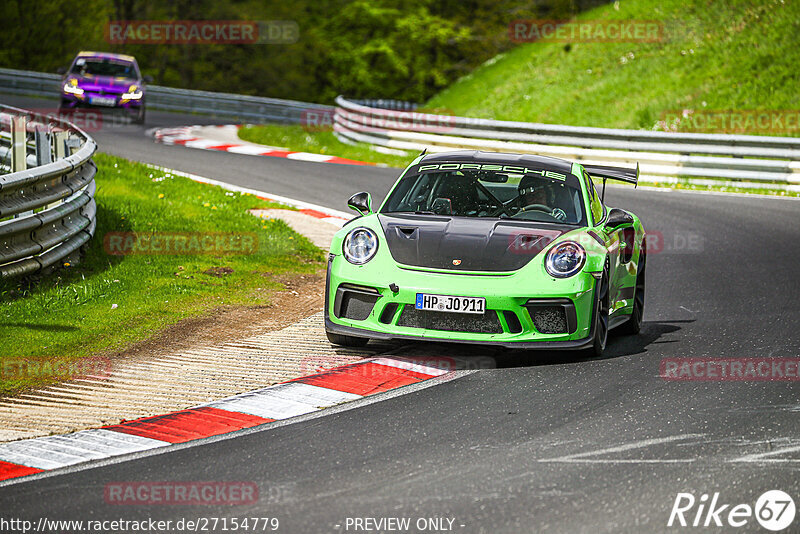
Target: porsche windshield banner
pixel 513 169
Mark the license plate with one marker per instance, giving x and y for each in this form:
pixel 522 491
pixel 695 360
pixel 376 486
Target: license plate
pixel 103 100
pixel 449 303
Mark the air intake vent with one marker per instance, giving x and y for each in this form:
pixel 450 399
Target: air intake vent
pixel 549 319
pixel 552 316
pixel 354 302
pixel 488 323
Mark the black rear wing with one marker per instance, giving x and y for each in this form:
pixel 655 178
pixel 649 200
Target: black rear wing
pixel 614 173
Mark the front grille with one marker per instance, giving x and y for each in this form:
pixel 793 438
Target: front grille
pixel 549 319
pixel 488 323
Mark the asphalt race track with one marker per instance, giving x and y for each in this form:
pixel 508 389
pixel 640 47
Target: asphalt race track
pixel 540 443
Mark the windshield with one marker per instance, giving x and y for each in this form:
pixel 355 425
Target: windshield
pixel 104 67
pixel 546 197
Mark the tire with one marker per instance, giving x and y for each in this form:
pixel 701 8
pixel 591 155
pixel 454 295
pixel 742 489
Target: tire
pixel 346 341
pixel 601 307
pixel 634 325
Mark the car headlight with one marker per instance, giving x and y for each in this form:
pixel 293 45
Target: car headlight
pixel 565 259
pixel 134 93
pixel 71 87
pixel 360 246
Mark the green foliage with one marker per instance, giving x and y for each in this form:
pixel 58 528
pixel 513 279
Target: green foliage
pixel 44 35
pixel 379 50
pixel 734 55
pixel 405 49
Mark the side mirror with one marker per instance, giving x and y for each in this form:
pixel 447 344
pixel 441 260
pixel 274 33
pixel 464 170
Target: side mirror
pixel 361 202
pixel 61 70
pixel 618 218
pixel 147 78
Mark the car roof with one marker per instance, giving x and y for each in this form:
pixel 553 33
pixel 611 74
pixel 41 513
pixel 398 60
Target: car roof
pixel 479 156
pixel 106 55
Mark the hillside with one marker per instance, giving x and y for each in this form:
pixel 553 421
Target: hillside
pixel 733 56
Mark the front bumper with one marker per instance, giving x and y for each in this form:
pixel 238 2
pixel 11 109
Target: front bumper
pixel 70 101
pixel 511 303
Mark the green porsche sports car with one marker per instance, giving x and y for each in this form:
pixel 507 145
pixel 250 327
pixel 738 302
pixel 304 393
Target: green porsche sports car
pixel 477 247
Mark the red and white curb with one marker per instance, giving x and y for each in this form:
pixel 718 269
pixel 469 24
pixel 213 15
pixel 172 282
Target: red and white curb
pixel 274 403
pixel 224 138
pixel 328 215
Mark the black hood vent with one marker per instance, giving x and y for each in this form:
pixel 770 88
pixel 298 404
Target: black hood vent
pixel 465 243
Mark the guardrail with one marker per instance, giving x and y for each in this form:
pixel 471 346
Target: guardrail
pixel 47 207
pixel 227 105
pixel 703 159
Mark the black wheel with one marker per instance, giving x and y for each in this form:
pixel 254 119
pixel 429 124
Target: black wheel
pixel 601 307
pixel 634 325
pixel 346 341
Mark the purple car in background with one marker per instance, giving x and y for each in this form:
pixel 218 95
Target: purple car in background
pixel 104 80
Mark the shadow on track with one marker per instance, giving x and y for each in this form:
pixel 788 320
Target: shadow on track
pixel 618 346
pixel 476 357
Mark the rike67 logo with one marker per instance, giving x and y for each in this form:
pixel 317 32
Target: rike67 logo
pixel 774 510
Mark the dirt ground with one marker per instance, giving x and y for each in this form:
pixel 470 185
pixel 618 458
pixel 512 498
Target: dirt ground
pixel 301 297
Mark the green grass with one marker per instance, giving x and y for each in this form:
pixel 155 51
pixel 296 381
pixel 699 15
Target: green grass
pixel 299 138
pixel 733 55
pixel 108 302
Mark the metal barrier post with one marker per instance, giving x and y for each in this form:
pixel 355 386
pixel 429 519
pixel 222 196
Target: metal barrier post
pixel 60 145
pixel 44 153
pixel 42 141
pixel 19 148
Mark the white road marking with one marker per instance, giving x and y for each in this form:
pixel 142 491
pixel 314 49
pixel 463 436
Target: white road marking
pixel 201 143
pixel 313 395
pixel 52 452
pixel 284 400
pixel 306 156
pixel 766 456
pixel 582 456
pixel 251 150
pixel 264 404
pixel 275 198
pixel 334 221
